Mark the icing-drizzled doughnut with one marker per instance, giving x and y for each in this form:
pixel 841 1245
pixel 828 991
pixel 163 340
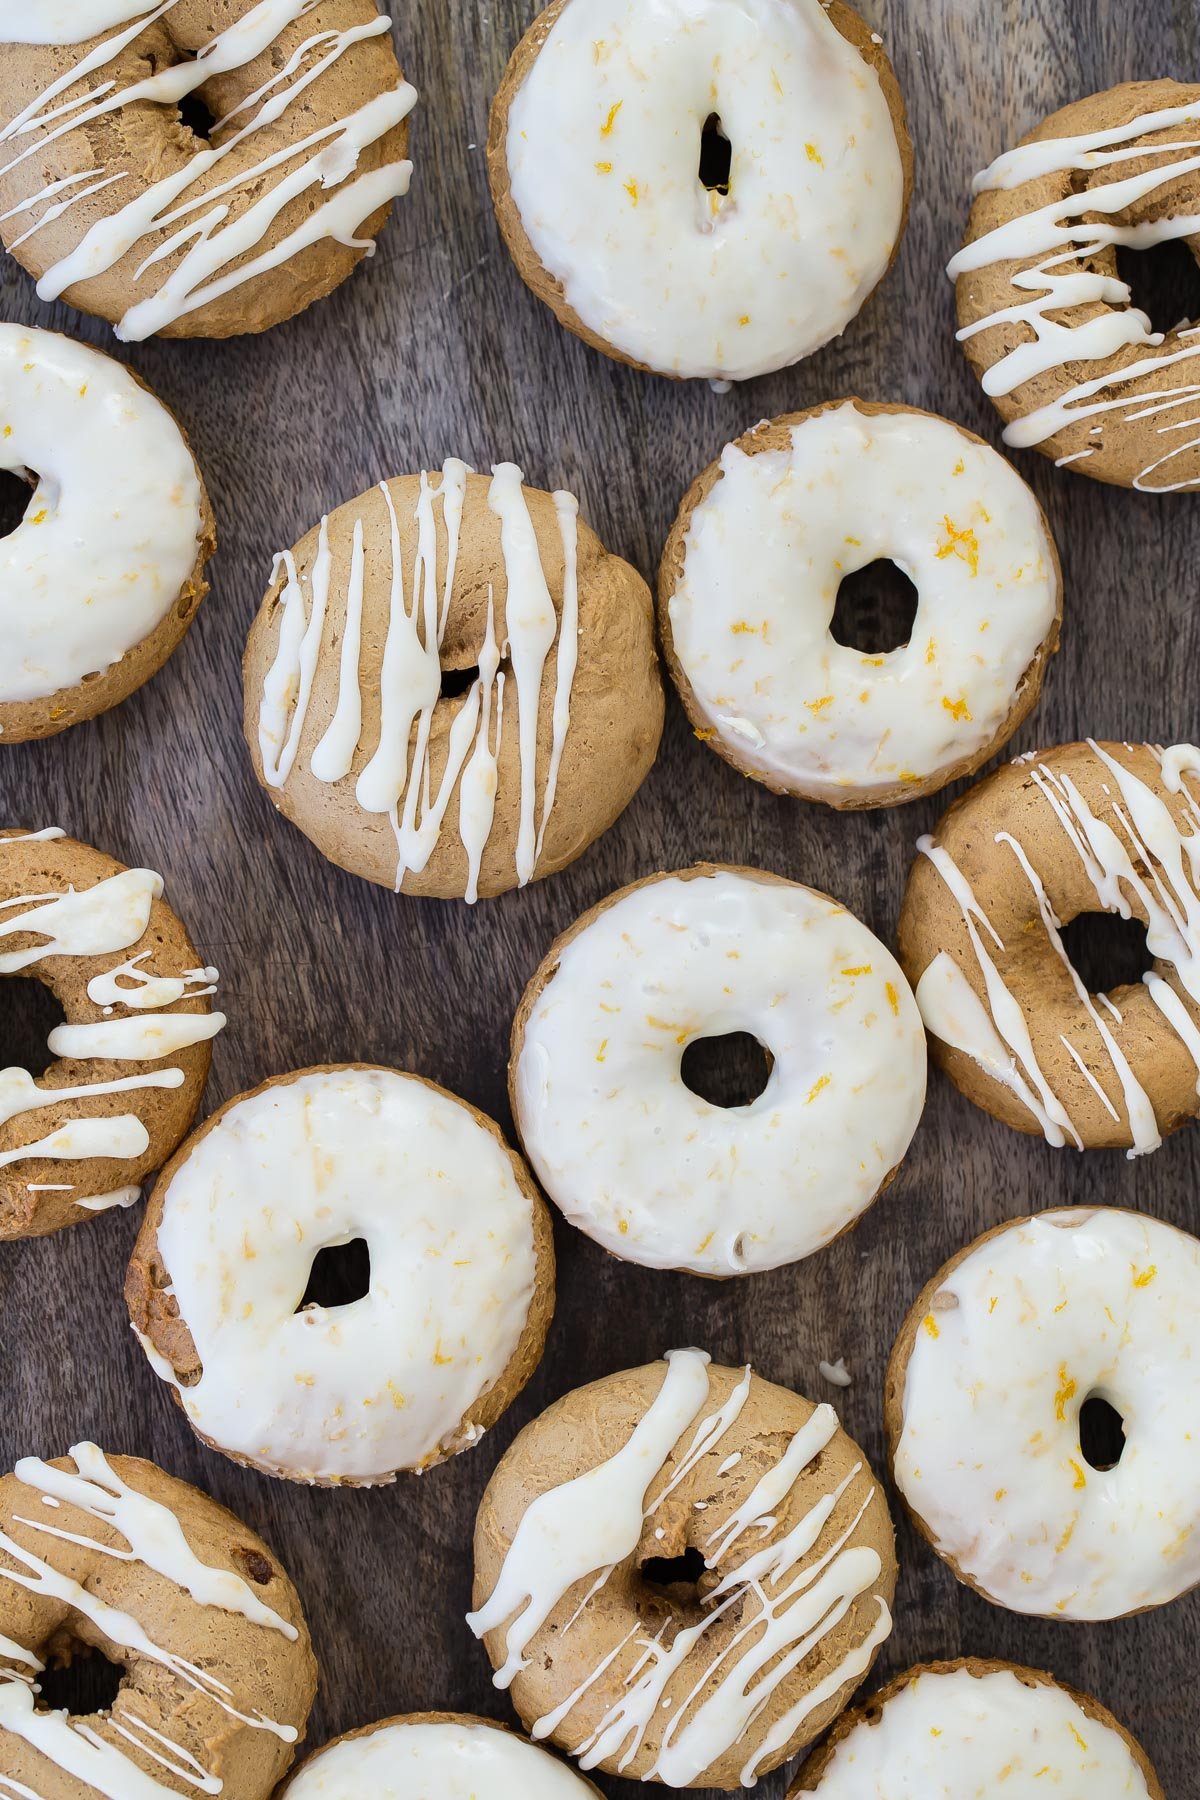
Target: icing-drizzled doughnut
pixel 452 687
pixel 102 577
pixel 656 1173
pixel 1049 325
pixel 1082 828
pixel 132 1054
pixel 805 500
pixel 601 155
pixel 459 1298
pixel 585 1598
pixel 110 1556
pixel 451 1755
pixel 985 1392
pixel 945 1730
pixel 112 202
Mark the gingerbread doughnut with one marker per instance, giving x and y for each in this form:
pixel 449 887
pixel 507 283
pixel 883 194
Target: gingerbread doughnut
pixel 944 1730
pixel 114 203
pixel 451 686
pixel 598 157
pixel 110 1556
pixel 1082 828
pixel 458 1302
pixel 132 1053
pixel 658 1174
pixel 102 577
pixel 1049 326
pixel 984 1403
pixel 453 1756
pixel 587 1598
pixel 807 499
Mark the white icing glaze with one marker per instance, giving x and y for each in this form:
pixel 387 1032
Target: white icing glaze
pixel 358 1391
pixel 66 21
pixel 949 1734
pixel 765 670
pixel 223 252
pixel 110 535
pixel 1138 852
pixel 654 1172
pixel 1059 239
pixel 446 1760
pixel 111 916
pixel 396 779
pixel 790 1604
pixel 603 152
pixel 1034 1321
pixel 153 1537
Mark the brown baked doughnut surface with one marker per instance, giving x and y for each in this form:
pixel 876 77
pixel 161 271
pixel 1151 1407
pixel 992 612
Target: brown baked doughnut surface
pixel 977 1726
pixel 132 1054
pixel 702 1606
pixel 110 1556
pixel 1082 828
pixel 451 686
pixel 112 199
pixel 1049 325
pixel 351 1386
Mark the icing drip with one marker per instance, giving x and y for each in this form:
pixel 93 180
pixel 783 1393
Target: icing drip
pixel 216 243
pixel 397 778
pixel 595 1522
pixel 1140 835
pixel 111 916
pixel 1063 236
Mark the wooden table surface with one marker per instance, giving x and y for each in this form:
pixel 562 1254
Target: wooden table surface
pixel 434 349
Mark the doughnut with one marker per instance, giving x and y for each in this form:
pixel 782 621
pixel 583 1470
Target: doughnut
pixel 114 203
pixel 111 1556
pixel 453 1756
pixel 701 187
pixel 104 574
pixel 1083 828
pixel 682 1572
pixel 1049 326
pixel 461 1276
pixel 131 1056
pixel 659 1175
pixel 806 500
pixel 985 1390
pixel 944 1730
pixel 451 686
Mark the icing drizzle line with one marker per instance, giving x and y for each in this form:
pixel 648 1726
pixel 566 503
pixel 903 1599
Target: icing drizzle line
pixel 211 266
pixel 397 779
pixel 112 915
pixel 156 1539
pixel 595 1521
pixel 1064 234
pixel 1145 833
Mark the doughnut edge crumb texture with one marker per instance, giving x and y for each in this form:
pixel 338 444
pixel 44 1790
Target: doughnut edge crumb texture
pixel 631 187
pixel 341 1396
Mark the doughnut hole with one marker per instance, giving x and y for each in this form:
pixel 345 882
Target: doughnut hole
pixel 1101 1433
pixel 729 1070
pixel 1107 952
pixel 78 1678
pixel 15 490
pixel 340 1275
pixel 680 1576
pixel 29 1012
pixel 197 117
pixel 1163 281
pixel 716 156
pixel 458 681
pixel 875 609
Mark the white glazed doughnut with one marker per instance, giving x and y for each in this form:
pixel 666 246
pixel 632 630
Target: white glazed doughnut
pixel 594 157
pixel 652 1171
pixel 460 1288
pixel 112 540
pixel 984 1396
pixel 949 1731
pixel 805 501
pixel 446 1756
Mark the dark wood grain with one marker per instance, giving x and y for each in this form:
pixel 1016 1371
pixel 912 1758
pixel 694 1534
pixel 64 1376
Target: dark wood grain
pixel 432 349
